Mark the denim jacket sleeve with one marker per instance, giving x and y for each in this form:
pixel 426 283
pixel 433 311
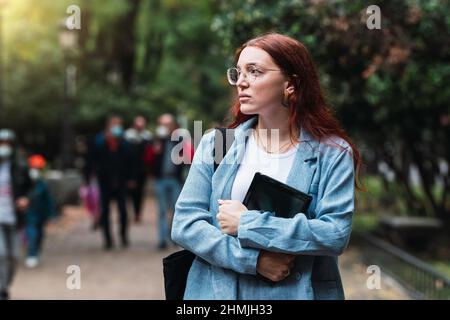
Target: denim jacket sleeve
pixel 326 234
pixel 193 227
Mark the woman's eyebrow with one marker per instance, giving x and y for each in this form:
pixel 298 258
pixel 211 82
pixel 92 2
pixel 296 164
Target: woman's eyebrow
pixel 248 64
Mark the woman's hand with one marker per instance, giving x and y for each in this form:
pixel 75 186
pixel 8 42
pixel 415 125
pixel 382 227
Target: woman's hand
pixel 274 266
pixel 229 215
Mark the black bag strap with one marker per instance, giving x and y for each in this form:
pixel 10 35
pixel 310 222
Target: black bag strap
pixel 225 145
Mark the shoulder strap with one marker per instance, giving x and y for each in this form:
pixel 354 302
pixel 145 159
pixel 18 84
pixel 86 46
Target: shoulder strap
pixel 225 145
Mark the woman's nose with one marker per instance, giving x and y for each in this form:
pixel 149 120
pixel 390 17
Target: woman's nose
pixel 242 81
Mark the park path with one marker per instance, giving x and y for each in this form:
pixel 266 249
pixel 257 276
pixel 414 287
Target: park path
pixel 135 273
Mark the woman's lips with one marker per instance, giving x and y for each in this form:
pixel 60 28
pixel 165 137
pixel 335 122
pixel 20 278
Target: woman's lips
pixel 244 99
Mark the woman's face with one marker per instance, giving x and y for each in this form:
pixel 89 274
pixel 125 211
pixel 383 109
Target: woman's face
pixel 265 94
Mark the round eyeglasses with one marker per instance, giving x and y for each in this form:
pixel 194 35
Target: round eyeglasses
pixel 251 74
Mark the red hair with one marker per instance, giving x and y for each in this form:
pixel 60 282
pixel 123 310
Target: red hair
pixel 308 108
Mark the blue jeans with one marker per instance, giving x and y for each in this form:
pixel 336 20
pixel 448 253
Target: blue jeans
pixel 35 235
pixel 167 192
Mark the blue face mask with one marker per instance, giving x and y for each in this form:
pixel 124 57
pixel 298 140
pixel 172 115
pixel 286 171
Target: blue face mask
pixel 117 131
pixel 5 151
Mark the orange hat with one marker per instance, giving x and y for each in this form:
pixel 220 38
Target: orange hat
pixel 36 161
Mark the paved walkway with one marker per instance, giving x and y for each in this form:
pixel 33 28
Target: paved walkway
pixel 135 273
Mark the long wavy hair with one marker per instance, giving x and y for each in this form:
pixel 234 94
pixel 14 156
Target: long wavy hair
pixel 308 108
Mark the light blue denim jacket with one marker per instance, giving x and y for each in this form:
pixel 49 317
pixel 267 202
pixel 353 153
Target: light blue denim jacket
pixel 225 266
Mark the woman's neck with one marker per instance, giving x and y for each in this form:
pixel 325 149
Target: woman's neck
pixel 275 123
pixel 274 135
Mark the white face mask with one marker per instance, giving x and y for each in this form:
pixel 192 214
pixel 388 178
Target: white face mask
pixel 5 151
pixel 162 131
pixel 35 174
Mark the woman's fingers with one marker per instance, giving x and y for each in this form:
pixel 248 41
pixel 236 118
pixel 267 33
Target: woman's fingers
pixel 223 223
pixel 225 229
pixel 222 216
pixel 223 201
pixel 223 209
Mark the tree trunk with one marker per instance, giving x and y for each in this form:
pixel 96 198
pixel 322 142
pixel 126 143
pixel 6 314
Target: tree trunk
pixel 125 44
pixel 413 203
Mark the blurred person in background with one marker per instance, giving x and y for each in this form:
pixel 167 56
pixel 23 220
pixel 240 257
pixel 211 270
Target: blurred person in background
pixel 139 140
pixel 110 161
pixel 14 187
pixel 41 208
pixel 168 173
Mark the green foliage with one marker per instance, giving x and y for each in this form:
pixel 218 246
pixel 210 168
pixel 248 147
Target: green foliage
pixel 174 60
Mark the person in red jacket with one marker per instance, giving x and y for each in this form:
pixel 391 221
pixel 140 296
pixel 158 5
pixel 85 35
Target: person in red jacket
pixel 110 162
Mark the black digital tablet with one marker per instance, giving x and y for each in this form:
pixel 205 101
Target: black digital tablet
pixel 268 194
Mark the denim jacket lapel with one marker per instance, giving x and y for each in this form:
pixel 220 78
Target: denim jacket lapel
pixel 225 174
pixel 305 163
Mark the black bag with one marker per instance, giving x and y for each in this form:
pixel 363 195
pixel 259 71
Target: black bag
pixel 177 265
pixel 176 268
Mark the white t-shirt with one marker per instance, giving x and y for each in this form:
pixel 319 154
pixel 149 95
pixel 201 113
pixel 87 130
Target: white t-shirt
pixel 256 159
pixel 7 215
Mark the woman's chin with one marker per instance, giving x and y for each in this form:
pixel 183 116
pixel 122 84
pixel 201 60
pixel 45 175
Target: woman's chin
pixel 248 109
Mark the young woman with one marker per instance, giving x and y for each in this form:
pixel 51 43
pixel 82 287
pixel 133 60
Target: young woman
pixel 284 129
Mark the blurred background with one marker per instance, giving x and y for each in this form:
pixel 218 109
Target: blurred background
pixel 388 87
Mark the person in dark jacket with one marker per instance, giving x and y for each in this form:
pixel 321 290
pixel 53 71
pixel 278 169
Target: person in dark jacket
pixel 111 161
pixel 139 139
pixel 14 187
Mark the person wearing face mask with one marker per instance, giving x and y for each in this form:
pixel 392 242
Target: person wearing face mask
pixel 109 161
pixel 168 173
pixel 40 209
pixel 14 186
pixel 139 139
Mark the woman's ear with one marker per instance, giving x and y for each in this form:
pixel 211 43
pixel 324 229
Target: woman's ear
pixel 289 87
pixel 288 92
